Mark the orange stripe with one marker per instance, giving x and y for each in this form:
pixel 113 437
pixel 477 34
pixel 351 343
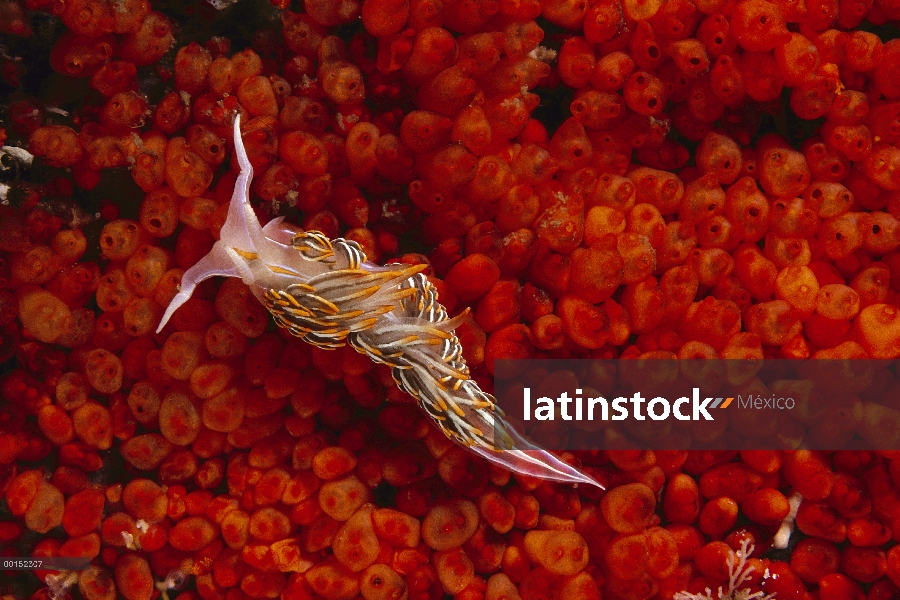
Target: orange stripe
pixel 726 403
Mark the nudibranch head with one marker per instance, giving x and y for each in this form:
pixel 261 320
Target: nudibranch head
pixel 261 256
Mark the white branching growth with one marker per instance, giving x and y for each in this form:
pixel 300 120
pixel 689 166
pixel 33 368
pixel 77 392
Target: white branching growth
pixel 738 574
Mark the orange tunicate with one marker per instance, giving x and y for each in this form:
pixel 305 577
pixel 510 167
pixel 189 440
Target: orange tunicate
pixel 828 199
pixel 145 268
pixel 186 172
pixel 361 148
pixel 104 371
pixel 333 581
pixel 533 165
pixel 881 166
pixel 783 172
pixel 601 221
pixel 192 533
pixel 433 50
pixel 560 552
pixel 381 582
pixel 629 508
pixel 561 226
pixel 145 499
pixel 333 462
pixel 472 277
pixel 22 491
pixel 681 501
pixel 71 390
pixel 236 528
pixel 210 378
pixel 225 341
pixel 223 412
pixel 206 143
pixel 123 112
pixel 342 82
pixel 57 144
pixel 55 424
pixel 269 525
pixel 192 64
pixel 721 155
pixel 718 516
pixel 486 48
pixel 69 244
pixel 596 271
pixel 301 33
pixel 90 18
pixel 120 239
pixel 237 306
pixel 37 266
pixel 46 511
pixel 383 18
pixel 341 498
pixel 221 76
pixel 182 352
pixel 766 506
pixel 87 545
pixel 455 570
pixel 303 152
pixel 355 544
pixel 144 400
pixel 759 26
pixel 836 301
pixel 844 234
pixel 93 425
pixel 449 91
pixel 43 315
pixel 878 327
pixel 134 580
pixel 80 56
pixel 149 170
pixel 449 525
pixel 397 528
pixel 146 451
pixel 627 556
pixel 179 418
pixel 244 64
pixel 303 114
pixel 172 113
pixel 159 212
pixel 150 42
pixel 257 95
pixel 258 360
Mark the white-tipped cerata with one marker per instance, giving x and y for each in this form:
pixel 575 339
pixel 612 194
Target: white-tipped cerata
pixel 325 292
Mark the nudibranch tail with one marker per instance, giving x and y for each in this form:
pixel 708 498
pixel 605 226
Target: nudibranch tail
pixel 325 292
pixel 528 459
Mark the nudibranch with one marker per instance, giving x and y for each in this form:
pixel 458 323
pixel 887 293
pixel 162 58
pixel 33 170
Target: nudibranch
pixel 325 292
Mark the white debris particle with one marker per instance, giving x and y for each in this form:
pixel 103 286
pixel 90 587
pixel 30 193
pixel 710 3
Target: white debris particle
pixel 543 54
pixel 222 4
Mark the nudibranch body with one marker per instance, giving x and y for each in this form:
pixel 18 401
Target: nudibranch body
pixel 325 292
